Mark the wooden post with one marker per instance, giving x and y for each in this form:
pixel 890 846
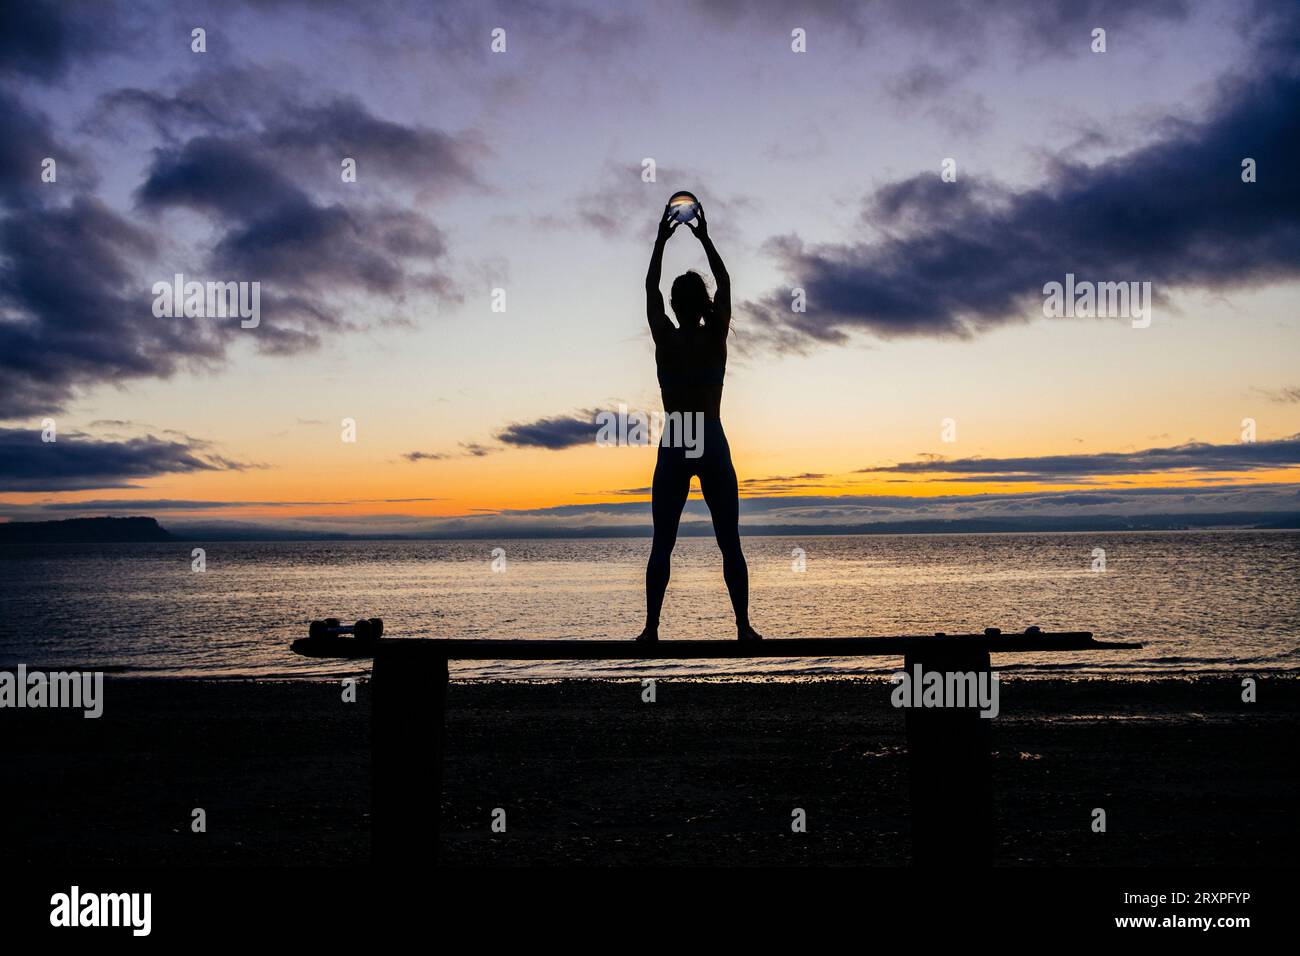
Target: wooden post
pixel 950 769
pixel 408 717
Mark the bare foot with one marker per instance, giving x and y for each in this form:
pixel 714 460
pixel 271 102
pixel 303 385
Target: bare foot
pixel 648 636
pixel 746 632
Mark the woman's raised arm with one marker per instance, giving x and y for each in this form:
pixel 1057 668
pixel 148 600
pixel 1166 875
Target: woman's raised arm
pixel 654 299
pixel 721 315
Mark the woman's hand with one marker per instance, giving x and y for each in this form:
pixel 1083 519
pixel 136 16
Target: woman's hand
pixel 701 229
pixel 666 225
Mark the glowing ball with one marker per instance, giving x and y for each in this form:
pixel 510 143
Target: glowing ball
pixel 684 206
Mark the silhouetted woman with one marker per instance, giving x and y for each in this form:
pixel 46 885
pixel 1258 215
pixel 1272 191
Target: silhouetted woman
pixel 691 360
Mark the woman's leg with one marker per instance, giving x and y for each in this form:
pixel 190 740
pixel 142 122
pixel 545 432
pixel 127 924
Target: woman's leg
pixel 722 495
pixel 672 483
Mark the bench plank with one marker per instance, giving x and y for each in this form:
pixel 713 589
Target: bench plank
pixel 475 649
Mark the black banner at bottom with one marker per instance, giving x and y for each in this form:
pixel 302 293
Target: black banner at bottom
pixel 334 906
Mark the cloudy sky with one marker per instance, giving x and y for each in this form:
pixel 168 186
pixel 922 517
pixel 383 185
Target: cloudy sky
pixel 522 170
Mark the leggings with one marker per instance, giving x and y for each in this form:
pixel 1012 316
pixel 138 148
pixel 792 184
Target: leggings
pixel 672 483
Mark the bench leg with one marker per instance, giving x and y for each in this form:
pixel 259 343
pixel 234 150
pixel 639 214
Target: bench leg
pixel 950 771
pixel 408 732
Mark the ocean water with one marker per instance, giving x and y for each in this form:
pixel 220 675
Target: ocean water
pixel 1200 601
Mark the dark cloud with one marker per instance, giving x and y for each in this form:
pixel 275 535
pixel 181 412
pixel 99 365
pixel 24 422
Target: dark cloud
pixel 26 139
pixel 1192 456
pixel 614 206
pixel 469 449
pixel 41 39
pixel 560 431
pixel 302 247
pixel 65 291
pixel 77 462
pixel 294 127
pixel 1036 28
pixel 76 275
pixel 385 151
pixel 921 81
pixel 74 312
pixel 426 456
pixel 1289 395
pixel 309 255
pixel 216 176
pixel 191 110
pixel 780 484
pixel 925 89
pixel 958 258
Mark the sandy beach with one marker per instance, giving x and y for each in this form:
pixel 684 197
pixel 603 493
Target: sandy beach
pixel 709 773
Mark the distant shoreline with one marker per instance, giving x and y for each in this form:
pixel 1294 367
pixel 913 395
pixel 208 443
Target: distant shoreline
pixel 135 530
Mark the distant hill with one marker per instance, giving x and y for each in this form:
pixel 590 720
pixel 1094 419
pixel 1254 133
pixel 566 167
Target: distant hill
pixel 83 531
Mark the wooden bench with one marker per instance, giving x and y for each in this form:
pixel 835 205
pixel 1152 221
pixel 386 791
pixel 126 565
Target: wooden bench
pixel 949 752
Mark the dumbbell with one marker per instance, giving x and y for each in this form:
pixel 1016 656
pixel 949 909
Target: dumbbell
pixel 364 630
